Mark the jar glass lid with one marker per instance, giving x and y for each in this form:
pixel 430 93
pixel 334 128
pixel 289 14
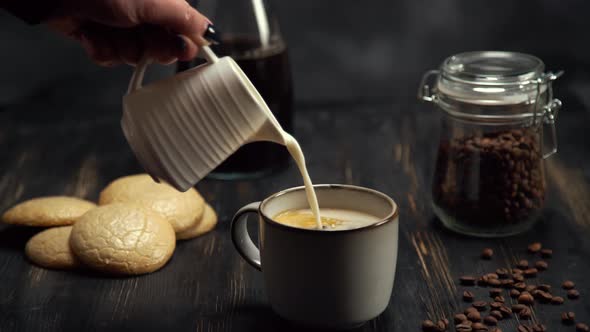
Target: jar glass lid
pixel 491 77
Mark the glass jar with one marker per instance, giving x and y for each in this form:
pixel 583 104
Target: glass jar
pixel 249 31
pixel 489 179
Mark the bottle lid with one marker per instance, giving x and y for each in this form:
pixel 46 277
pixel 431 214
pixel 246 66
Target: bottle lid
pixel 492 77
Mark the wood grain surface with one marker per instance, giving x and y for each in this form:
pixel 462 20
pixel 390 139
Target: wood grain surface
pixel 208 287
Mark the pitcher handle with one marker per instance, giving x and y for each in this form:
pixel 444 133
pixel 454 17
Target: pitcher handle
pixel 145 61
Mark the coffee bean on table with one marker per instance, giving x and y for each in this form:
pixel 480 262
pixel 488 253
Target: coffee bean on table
pixel 468 296
pixel 463 328
pixel 467 280
pixel 502 273
pixel 474 316
pixel 506 312
pixel 544 287
pixel 518 307
pixel 514 293
pixel 487 253
pixel 581 327
pixel 518 277
pixel 441 325
pixel 517 271
pixel 545 297
pixel 496 305
pixel 530 273
pixel 494 282
pixel 490 320
pixel 469 309
pixel 428 326
pixel 525 314
pixel 523 264
pixel 557 300
pixel 573 294
pixel 526 298
pixel 467 322
pixel 568 284
pixel 500 299
pixel 568 317
pixel 480 305
pixel 482 281
pixel 495 292
pixel 520 286
pixel 458 318
pixel 541 265
pixel 492 276
pixel 507 283
pixel 546 253
pixel 524 328
pixel 497 314
pixel 534 247
pixel 479 327
pixel 495 329
pixel 530 288
pixel 539 328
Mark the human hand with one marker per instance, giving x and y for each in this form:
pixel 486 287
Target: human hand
pixel 122 31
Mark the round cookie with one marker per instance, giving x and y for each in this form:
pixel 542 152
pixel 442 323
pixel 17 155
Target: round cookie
pixel 181 209
pixel 51 249
pixel 207 223
pixel 47 211
pixel 123 238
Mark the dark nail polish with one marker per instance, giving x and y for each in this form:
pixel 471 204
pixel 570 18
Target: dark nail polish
pixel 212 34
pixel 180 43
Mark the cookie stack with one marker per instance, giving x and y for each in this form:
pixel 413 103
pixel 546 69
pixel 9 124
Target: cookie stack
pixel 132 231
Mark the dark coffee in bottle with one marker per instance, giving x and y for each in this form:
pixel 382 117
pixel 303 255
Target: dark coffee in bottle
pixel 269 70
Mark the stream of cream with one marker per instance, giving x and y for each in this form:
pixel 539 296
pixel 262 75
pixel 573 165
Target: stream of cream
pixel 297 155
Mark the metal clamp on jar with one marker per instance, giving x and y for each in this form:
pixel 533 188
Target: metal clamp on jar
pixel 489 176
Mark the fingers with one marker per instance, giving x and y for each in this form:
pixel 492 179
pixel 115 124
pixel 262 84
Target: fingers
pixel 108 46
pixel 127 47
pixel 189 49
pixel 99 48
pixel 124 30
pixel 166 47
pixel 176 15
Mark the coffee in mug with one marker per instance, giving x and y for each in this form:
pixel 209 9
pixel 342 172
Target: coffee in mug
pixel 332 219
pixel 357 253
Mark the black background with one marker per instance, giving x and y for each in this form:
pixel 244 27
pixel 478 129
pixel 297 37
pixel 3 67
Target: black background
pixel 357 51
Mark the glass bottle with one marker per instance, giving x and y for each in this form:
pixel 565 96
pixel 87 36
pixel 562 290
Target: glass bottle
pixel 489 179
pixel 250 34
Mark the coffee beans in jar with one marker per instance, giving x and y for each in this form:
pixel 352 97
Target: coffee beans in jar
pixel 491 180
pixel 489 177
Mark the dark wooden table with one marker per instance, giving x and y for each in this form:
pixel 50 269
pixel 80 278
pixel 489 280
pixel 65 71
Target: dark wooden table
pixel 208 287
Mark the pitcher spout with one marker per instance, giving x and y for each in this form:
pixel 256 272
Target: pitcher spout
pixel 270 131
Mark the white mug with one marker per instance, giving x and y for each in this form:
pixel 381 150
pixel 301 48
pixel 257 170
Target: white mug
pixel 328 279
pixel 182 127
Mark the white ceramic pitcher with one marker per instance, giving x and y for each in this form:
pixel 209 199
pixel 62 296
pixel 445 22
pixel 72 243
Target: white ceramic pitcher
pixel 182 127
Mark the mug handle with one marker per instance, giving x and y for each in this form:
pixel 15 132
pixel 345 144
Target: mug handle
pixel 145 61
pixel 240 237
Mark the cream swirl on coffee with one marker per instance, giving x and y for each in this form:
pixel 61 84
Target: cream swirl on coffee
pixel 332 219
